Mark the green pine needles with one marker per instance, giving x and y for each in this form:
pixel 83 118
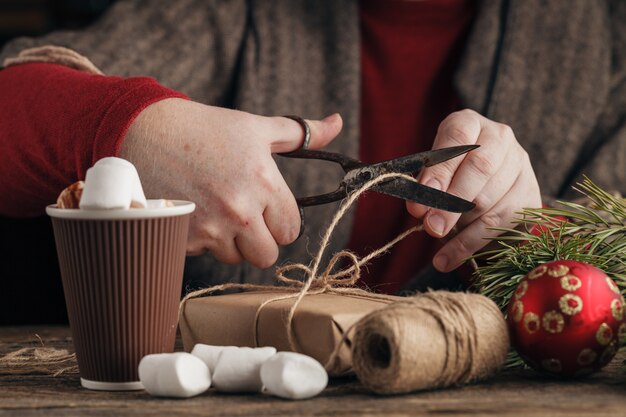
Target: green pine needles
pixel 594 233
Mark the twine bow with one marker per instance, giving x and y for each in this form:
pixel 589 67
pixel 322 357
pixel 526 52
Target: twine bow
pixel 340 282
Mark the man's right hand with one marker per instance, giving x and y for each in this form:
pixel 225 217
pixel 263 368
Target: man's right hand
pixel 222 160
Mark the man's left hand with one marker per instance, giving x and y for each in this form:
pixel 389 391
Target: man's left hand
pixel 497 177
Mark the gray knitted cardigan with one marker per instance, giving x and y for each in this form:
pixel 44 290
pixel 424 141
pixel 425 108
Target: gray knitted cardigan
pixel 555 71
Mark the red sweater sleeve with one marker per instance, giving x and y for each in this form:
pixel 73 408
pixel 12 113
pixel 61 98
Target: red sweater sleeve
pixel 55 122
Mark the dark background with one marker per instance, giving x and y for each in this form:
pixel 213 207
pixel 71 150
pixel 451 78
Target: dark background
pixel 36 17
pixel 30 283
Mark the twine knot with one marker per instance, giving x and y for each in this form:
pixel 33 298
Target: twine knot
pixel 327 280
pixel 340 282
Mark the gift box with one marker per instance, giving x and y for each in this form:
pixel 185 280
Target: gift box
pixel 319 323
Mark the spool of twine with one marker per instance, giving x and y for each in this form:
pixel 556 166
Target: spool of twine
pixel 432 340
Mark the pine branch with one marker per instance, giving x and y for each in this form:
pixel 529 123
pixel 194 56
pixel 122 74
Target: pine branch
pixel 594 233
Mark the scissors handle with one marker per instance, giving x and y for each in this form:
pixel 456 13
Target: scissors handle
pixel 316 200
pixel 346 162
pixel 321 199
pixel 301 232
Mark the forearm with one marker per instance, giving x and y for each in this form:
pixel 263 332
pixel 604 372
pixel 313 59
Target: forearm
pixel 55 122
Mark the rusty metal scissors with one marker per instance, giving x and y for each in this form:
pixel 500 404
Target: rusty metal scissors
pixel 358 173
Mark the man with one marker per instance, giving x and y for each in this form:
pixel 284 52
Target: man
pixel 522 64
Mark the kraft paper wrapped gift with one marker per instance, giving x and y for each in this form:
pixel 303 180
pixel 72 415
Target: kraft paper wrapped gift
pixel 319 323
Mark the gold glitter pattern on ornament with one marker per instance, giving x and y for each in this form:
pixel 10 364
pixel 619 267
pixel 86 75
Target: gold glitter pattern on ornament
pixel 537 272
pixel 517 311
pixel 604 334
pixel 552 365
pixel 531 322
pixel 521 290
pixel 617 309
pixel 558 271
pixel 586 357
pixel 553 322
pixel 612 285
pixel 571 304
pixel 621 333
pixel 608 353
pixel 571 282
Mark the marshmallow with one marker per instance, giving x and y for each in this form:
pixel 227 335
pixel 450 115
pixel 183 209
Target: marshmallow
pixel 138 199
pixel 107 187
pixel 180 375
pixel 293 375
pixel 208 353
pixel 238 369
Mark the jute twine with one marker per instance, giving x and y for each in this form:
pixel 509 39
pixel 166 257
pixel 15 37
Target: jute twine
pixel 432 340
pixel 428 341
pixel 328 281
pixel 38 360
pixel 53 361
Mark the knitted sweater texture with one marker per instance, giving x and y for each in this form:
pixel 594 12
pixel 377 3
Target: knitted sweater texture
pixel 554 71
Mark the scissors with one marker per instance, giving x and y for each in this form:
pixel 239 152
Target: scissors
pixel 358 173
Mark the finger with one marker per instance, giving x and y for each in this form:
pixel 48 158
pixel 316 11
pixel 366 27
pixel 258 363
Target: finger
pixel 495 189
pixel 194 250
pixel 287 135
pixel 417 210
pixel 281 215
pixel 471 176
pixel 225 251
pixel 476 235
pixel 210 237
pixel 257 245
pixel 459 128
pixel 195 244
pixel 277 203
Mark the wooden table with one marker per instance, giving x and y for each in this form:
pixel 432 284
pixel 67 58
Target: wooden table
pixel 520 392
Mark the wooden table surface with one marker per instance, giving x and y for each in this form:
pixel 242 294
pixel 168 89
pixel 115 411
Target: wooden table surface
pixel 511 393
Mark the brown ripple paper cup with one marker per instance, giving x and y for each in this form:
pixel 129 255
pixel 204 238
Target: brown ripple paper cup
pixel 122 276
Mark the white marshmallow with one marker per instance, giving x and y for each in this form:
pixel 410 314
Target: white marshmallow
pixel 180 375
pixel 137 196
pixel 107 187
pixel 209 354
pixel 293 375
pixel 149 371
pixel 239 369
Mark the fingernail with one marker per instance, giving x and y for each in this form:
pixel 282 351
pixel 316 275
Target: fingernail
pixel 437 224
pixel 440 262
pixel 433 183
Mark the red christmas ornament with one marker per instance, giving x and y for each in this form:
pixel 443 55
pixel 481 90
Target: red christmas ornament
pixel 567 318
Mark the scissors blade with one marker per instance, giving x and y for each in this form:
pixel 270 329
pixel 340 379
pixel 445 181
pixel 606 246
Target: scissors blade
pixel 415 162
pixel 437 156
pixel 409 190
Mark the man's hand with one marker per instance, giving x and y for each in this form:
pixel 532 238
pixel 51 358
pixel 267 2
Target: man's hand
pixel 222 160
pixel 497 177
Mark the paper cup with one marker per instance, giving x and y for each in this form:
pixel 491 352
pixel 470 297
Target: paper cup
pixel 122 276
